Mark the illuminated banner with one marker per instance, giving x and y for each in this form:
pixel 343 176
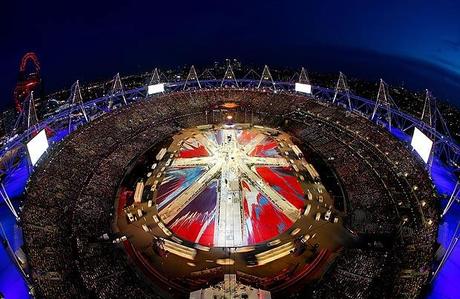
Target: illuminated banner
pixel 37 147
pixel 157 88
pixel 421 144
pixel 305 88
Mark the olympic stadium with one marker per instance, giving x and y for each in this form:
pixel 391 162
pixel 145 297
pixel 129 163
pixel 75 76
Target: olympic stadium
pixel 208 187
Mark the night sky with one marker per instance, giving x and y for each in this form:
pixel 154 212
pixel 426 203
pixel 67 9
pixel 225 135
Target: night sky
pixel 415 42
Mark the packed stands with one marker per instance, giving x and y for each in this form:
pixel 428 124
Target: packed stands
pixel 70 197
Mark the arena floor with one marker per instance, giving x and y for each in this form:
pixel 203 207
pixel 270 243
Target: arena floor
pixel 239 194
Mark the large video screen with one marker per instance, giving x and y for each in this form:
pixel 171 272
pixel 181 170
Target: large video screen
pixel 156 88
pixel 422 144
pixel 305 88
pixel 37 146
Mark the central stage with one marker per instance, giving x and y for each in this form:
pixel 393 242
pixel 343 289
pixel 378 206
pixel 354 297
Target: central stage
pixel 228 199
pixel 230 186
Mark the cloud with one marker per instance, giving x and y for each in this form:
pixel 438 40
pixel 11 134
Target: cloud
pixel 452 44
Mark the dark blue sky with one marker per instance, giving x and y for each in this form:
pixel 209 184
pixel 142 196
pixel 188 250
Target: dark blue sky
pixel 417 42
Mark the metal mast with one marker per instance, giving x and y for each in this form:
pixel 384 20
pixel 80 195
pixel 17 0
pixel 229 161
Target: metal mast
pixel 229 76
pixel 117 89
pixel 383 101
pixel 303 77
pixel 155 78
pixel 449 250
pixel 429 119
pixel 453 197
pixel 342 91
pixel 433 121
pixel 432 116
pixel 32 119
pixel 27 117
pixel 76 99
pixel 192 76
pixel 427 116
pixel 6 198
pixel 266 78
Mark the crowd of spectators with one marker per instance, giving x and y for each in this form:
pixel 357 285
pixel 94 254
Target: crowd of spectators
pixel 70 202
pixel 70 196
pixel 388 194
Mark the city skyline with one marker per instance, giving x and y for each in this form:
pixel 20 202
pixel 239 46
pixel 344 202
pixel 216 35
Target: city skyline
pixel 410 42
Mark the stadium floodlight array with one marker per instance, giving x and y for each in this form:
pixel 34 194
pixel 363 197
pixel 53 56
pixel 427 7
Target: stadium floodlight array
pixel 383 103
pixel 37 146
pixel 266 78
pixel 28 116
pixel 155 79
pixel 192 76
pixel 117 90
pixel 422 144
pixel 229 76
pixel 342 91
pixel 76 100
pixel 303 77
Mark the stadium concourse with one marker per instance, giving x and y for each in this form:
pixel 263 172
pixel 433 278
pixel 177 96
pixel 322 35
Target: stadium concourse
pixel 221 188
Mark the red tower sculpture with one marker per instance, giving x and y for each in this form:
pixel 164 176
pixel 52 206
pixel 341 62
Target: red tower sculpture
pixel 28 79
